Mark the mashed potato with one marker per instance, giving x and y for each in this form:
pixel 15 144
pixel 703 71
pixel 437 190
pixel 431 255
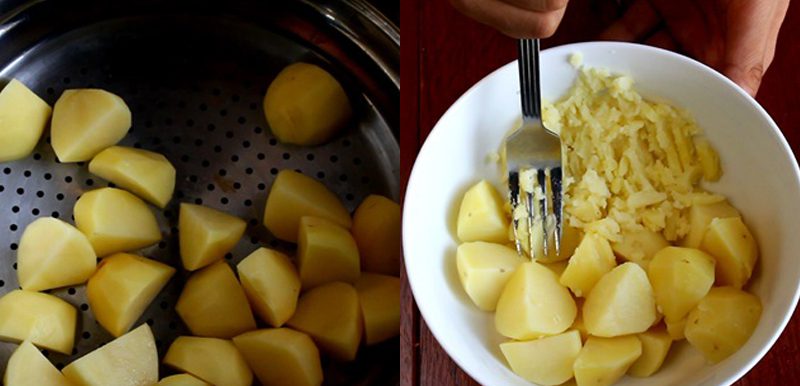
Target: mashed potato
pixel 629 162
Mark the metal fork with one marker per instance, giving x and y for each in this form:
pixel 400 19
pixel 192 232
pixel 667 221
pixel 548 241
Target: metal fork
pixel 533 156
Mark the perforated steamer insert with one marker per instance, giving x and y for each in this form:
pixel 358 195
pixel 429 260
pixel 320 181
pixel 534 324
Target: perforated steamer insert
pixel 194 76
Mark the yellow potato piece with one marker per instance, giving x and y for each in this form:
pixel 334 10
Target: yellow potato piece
pixel 147 174
pixel 621 303
pixel 655 347
pixel 294 195
pixel 639 246
pixel 115 221
pixel 709 159
pixel 182 380
pixel 680 278
pixel 481 216
pixel 43 319
pixel 544 361
pixel 326 252
pixel 206 235
pixel 213 303
pixel 484 269
pixel 376 229
pixel 603 361
pixel 281 356
pixel 86 121
pixel 214 360
pixel 723 322
pixel 331 315
pixel 533 304
pixel 271 284
pixel 676 328
pixel 130 360
pixel 700 216
pixel 23 117
pixel 123 287
pixel 379 298
pixel 734 248
pixel 592 259
pixel 52 254
pixel 28 367
pixel 305 105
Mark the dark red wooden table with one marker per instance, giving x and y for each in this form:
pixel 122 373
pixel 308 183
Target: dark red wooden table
pixel 444 53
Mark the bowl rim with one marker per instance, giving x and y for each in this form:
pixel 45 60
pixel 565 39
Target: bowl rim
pixel 423 306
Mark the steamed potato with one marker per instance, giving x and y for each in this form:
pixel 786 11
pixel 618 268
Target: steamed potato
pixel 700 216
pixel 639 246
pixel 621 303
pixel 734 248
pixel 86 121
pixel 305 105
pixel 27 367
pixel 52 254
pixel 592 259
pixel 214 360
pixel 43 319
pixel 115 221
pixel 182 380
pixel 533 304
pixel 206 235
pixel 147 174
pixel 130 360
pixel 379 299
pixel 484 269
pixel 281 356
pixel 680 278
pixel 293 196
pixel 326 252
pixel 602 361
pixel 722 322
pixel 376 229
pixel 23 117
pixel 271 284
pixel 655 347
pixel 481 216
pixel 544 361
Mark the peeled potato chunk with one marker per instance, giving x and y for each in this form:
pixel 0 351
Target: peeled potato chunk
pixel 281 356
pixel 734 248
pixel 700 216
pixel 484 269
pixel 23 117
pixel 331 315
pixel 293 196
pixel 592 259
pixel 639 246
pixel 214 360
pixel 305 105
pixel 676 328
pixel 271 284
pixel 621 303
pixel 86 121
pixel 27 367
pixel 545 361
pixel 182 380
pixel 147 174
pixel 326 252
pixel 481 216
pixel 376 229
pixel 655 347
pixel 206 235
pixel 680 278
pixel 123 287
pixel 603 361
pixel 43 319
pixel 115 221
pixel 722 322
pixel 52 254
pixel 379 298
pixel 213 303
pixel 533 304
pixel 130 360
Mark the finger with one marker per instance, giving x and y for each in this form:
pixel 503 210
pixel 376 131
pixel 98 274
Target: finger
pixel 510 20
pixel 750 41
pixel 638 22
pixel 662 39
pixel 539 5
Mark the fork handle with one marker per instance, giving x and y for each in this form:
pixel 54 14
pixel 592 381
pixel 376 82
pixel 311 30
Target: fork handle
pixel 530 92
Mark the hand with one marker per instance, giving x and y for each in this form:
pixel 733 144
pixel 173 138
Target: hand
pixel 736 37
pixel 516 18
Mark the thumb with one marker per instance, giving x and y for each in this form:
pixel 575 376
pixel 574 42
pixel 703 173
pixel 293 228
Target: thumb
pixel 747 75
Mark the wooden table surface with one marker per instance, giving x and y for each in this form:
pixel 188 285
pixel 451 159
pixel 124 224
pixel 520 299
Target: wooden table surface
pixel 444 53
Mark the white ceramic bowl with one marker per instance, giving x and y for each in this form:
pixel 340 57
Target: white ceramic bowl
pixel 761 178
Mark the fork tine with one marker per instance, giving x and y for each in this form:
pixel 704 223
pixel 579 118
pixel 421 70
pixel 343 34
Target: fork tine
pixel 555 186
pixel 513 197
pixel 541 178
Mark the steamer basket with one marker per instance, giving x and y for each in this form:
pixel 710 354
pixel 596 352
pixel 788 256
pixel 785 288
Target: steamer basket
pixel 194 75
